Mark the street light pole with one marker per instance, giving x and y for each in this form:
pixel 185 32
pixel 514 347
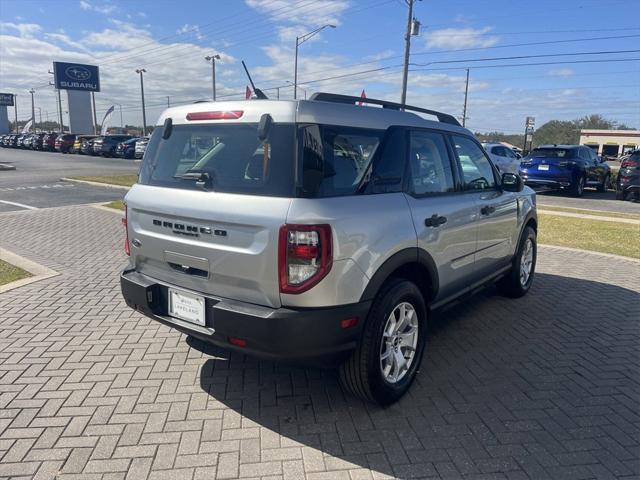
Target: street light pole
pixel 60 110
pixel 144 113
pixel 299 41
pixel 95 118
pixel 33 108
pixel 212 59
pixel 413 27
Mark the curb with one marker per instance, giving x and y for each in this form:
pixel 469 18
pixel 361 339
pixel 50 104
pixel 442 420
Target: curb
pixel 592 252
pixel 39 272
pixel 101 206
pixel 97 184
pixel 584 216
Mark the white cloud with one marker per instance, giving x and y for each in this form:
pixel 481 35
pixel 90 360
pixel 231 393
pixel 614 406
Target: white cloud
pixel 191 30
pixel 457 38
pixel 303 12
pixel 24 29
pixel 561 72
pixel 104 8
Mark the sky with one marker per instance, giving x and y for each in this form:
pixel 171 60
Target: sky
pixel 547 59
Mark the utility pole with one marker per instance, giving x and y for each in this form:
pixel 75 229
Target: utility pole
pixel 278 93
pixel 466 93
pixel 212 59
pixel 40 112
pixel 33 109
pixel 15 109
pixel 413 28
pixel 141 71
pixel 168 104
pixel 95 119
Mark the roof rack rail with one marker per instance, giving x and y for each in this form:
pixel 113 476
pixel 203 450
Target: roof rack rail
pixel 353 100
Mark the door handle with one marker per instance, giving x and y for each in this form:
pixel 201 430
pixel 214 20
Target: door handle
pixel 434 220
pixel 487 210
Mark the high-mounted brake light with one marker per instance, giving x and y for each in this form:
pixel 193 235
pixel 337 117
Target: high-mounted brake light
pixel 304 256
pixel 220 115
pixel 125 222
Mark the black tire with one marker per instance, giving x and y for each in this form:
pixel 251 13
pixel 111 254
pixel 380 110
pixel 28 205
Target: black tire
pixel 362 374
pixel 605 185
pixel 511 284
pixel 578 189
pixel 620 195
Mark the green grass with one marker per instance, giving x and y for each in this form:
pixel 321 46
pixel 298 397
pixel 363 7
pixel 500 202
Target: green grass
pixel 9 273
pixel 122 180
pixel 597 235
pixel 116 204
pixel 602 213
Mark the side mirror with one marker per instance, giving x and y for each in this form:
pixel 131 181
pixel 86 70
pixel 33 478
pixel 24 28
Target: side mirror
pixel 512 182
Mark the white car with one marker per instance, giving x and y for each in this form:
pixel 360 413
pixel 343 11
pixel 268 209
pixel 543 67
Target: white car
pixel 503 157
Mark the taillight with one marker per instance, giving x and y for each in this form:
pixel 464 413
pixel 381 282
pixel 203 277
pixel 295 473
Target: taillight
pixel 125 222
pixel 220 115
pixel 630 164
pixel 304 256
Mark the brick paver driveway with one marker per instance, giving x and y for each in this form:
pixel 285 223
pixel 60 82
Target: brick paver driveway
pixel 542 387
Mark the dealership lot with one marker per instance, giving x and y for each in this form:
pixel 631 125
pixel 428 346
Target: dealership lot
pixel 36 180
pixel 90 389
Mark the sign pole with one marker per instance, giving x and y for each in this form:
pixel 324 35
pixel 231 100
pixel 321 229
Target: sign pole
pixel 15 110
pixel 95 120
pixel 60 110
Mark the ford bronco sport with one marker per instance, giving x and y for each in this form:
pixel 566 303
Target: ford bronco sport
pixel 321 231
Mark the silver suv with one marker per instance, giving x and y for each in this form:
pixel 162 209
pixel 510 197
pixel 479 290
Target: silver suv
pixel 320 231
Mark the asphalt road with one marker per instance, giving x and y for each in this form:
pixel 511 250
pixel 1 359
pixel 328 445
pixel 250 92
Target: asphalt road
pixel 35 183
pixel 591 200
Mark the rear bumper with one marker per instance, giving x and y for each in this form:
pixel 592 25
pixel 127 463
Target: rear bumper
pixel 534 181
pixel 309 336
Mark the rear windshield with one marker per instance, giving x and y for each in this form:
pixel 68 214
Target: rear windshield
pixel 233 157
pixel 554 152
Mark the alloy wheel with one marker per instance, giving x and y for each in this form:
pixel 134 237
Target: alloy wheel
pixel 399 342
pixel 526 262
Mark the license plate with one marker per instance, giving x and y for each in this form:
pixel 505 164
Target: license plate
pixel 186 306
pixel 543 167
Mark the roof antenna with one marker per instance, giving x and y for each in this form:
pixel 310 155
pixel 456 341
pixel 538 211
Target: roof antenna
pixel 259 93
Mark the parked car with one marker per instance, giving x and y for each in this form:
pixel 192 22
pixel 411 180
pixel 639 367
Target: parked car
pixel 87 146
pixel 503 157
pixel 36 143
pixel 49 142
pixel 2 140
pixel 628 181
pixel 141 146
pixel 77 143
pixel 26 141
pixel 320 231
pixel 106 145
pixel 64 143
pixel 20 140
pixel 565 167
pixel 126 149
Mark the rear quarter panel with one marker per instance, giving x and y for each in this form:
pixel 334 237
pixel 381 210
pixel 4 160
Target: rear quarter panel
pixel 367 230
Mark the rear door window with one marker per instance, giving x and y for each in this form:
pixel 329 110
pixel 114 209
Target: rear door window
pixel 429 164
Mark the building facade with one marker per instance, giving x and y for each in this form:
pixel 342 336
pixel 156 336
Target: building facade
pixel 611 143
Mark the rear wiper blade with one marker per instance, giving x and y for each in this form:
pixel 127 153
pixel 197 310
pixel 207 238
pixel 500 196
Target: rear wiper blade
pixel 202 178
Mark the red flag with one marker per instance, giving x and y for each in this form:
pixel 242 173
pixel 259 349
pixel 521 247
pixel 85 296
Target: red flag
pixel 363 96
pixel 247 93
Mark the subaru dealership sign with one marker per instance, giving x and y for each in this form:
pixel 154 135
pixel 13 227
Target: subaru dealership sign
pixel 75 76
pixel 6 99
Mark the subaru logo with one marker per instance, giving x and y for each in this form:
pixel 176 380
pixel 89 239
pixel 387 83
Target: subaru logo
pixel 78 73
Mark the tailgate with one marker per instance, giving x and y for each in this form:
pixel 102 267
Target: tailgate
pixel 219 244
